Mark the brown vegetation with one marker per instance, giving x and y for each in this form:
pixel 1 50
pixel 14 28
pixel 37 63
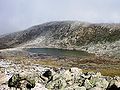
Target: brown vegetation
pixel 105 65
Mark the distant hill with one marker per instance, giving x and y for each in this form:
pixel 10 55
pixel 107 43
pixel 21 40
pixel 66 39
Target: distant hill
pixel 100 38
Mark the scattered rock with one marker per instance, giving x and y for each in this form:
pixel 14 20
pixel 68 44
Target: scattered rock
pixel 14 81
pixel 47 76
pixel 58 84
pixel 75 87
pixel 96 88
pixel 39 86
pixel 21 82
pixel 39 78
pixel 114 84
pixel 3 78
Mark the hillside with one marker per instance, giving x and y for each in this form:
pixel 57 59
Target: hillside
pixel 96 38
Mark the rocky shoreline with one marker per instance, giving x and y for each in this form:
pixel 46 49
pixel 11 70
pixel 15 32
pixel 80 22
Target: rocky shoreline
pixel 36 77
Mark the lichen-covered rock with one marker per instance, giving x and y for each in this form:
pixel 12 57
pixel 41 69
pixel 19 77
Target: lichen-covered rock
pixel 58 84
pixel 21 82
pixel 76 71
pixel 3 78
pixel 67 75
pixel 72 75
pixel 114 84
pixel 98 74
pixel 113 87
pixel 96 88
pixel 86 76
pixel 30 83
pixel 102 83
pixel 4 87
pixel 14 81
pixel 117 81
pixel 88 84
pixel 39 86
pixel 48 79
pixel 75 87
pixel 46 76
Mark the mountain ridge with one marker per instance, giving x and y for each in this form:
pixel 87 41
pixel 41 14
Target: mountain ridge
pixel 65 34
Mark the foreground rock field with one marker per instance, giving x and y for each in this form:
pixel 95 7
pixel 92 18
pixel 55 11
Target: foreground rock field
pixel 36 77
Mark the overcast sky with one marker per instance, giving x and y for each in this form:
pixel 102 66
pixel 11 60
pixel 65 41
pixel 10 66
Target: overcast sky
pixel 16 15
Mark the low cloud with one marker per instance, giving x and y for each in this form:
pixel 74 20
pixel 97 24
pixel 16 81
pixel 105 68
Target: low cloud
pixel 18 15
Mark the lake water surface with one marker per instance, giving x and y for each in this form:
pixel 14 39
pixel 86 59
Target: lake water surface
pixel 58 52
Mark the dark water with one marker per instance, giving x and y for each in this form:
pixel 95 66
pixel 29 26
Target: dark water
pixel 58 52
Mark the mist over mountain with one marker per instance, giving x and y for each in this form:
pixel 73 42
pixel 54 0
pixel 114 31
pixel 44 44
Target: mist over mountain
pixel 102 38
